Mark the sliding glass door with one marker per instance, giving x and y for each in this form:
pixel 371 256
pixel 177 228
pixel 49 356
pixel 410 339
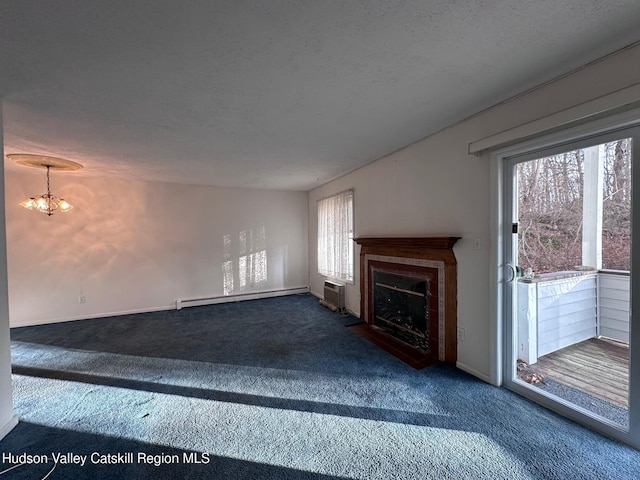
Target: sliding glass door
pixel 569 225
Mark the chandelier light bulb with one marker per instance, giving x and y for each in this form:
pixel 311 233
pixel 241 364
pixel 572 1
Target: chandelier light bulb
pixel 30 203
pixel 42 204
pixel 64 206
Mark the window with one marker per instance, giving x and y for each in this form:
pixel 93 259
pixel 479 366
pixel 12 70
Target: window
pixel 335 235
pixel 574 209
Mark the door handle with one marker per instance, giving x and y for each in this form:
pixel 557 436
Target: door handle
pixel 513 272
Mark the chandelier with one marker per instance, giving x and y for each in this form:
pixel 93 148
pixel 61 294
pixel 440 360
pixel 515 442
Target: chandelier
pixel 46 203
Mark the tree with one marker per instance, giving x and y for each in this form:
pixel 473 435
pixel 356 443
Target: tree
pixel 550 191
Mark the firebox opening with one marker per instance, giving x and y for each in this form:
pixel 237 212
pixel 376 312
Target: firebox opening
pixel 401 307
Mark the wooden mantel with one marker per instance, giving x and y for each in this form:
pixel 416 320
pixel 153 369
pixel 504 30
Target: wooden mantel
pixel 413 242
pixel 432 249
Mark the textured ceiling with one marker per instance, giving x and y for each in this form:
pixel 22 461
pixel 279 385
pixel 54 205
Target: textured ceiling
pixel 274 94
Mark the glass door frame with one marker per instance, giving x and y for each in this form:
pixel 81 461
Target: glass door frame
pixel 504 162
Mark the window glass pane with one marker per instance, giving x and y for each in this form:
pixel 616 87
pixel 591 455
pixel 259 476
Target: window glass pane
pixel 553 192
pixel 335 235
pixel 616 211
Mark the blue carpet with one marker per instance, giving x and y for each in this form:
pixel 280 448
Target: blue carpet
pixel 272 389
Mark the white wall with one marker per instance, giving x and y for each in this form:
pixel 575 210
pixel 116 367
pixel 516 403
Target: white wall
pixel 7 420
pixel 434 187
pixel 139 246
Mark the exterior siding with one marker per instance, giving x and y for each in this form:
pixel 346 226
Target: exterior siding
pixel 614 306
pixel 556 313
pixel 567 312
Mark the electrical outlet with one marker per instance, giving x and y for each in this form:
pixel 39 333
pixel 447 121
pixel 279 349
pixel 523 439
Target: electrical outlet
pixel 460 334
pixel 82 299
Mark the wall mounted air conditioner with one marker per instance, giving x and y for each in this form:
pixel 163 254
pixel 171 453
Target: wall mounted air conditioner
pixel 333 295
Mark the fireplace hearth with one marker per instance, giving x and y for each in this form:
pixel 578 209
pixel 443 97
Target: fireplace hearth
pixel 408 296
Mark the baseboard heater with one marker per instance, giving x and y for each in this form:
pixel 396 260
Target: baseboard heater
pixel 196 302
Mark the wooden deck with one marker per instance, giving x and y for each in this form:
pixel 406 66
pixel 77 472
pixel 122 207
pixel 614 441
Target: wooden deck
pixel 597 366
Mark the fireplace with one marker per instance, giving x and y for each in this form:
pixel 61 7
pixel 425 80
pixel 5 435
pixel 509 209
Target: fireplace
pixel 408 296
pixel 401 301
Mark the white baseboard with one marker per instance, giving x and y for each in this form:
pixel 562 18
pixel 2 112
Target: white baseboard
pixel 183 304
pixel 197 302
pixel 10 425
pixel 472 371
pixel 93 315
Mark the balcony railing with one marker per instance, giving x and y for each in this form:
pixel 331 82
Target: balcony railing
pixel 560 309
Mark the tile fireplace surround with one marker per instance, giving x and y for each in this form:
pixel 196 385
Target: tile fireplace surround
pixel 408 296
